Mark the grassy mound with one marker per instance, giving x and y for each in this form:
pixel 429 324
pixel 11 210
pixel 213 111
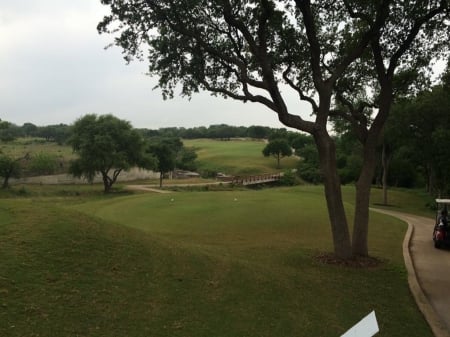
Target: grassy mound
pixel 237 263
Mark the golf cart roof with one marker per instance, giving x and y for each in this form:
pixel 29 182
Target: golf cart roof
pixel 443 201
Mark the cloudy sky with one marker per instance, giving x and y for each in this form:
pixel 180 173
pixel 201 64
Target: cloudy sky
pixel 54 69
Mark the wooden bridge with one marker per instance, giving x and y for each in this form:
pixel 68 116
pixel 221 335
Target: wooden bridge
pixel 256 179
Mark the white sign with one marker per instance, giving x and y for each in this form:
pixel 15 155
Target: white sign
pixel 367 327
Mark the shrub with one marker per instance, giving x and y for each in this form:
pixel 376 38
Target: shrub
pixel 289 178
pixel 43 163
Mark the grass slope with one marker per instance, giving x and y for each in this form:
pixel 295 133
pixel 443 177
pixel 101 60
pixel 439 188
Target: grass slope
pixel 21 146
pixel 236 157
pixel 234 263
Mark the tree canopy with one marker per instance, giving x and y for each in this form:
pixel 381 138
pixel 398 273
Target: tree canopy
pixel 421 124
pixel 9 168
pixel 106 145
pixel 278 148
pixel 325 51
pixel 165 150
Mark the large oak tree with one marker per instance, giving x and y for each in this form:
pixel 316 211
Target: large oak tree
pixel 254 50
pixel 106 145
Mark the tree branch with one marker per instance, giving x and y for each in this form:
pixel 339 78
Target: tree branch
pixel 382 15
pixel 301 94
pixel 356 118
pixel 315 52
pixel 412 35
pixel 244 98
pixel 354 14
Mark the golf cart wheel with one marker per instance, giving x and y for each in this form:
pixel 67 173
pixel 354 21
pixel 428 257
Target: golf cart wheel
pixel 437 244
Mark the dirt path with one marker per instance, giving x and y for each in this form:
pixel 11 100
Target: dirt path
pixel 428 272
pixel 146 188
pixel 155 188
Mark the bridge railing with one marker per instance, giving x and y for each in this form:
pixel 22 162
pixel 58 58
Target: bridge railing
pixel 256 179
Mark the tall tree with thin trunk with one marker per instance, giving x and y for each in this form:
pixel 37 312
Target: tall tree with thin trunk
pixel 257 50
pixel 278 148
pixel 165 151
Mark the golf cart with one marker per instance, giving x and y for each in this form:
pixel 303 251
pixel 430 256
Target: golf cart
pixel 441 232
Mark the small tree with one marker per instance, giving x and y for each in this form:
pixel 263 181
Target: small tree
pixel 29 129
pixel 106 145
pixel 9 168
pixel 278 148
pixel 186 159
pixel 9 131
pixel 166 151
pixel 300 140
pixel 54 133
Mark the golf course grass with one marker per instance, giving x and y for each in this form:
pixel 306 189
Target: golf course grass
pixel 225 263
pixel 236 157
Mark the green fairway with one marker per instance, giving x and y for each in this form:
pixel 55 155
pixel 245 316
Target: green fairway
pixel 294 216
pixel 236 157
pixel 230 263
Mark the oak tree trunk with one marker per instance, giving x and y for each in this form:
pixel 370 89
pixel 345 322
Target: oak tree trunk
pixel 364 183
pixel 362 200
pixel 106 182
pixel 333 195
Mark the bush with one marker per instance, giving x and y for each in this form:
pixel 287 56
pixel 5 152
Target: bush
pixel 43 163
pixel 310 173
pixel 289 178
pixel 308 168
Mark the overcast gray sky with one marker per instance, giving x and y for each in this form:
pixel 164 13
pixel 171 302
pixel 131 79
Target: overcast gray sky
pixel 54 69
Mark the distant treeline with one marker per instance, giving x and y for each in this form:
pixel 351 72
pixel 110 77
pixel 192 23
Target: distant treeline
pixel 218 131
pixel 53 133
pixel 61 132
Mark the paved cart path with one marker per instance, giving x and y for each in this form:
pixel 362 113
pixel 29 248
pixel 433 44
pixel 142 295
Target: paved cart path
pixel 428 271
